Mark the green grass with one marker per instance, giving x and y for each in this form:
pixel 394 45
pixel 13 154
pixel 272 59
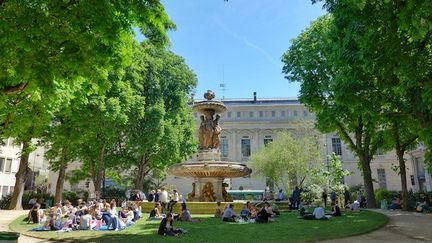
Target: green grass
pixel 287 228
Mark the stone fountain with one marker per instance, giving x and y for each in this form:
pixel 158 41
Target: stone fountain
pixel 209 171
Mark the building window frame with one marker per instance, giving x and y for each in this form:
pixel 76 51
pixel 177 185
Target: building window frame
pixel 336 146
pixel 224 147
pixel 245 145
pixel 382 180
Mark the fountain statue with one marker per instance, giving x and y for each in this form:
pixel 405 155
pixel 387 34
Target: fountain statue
pixel 209 171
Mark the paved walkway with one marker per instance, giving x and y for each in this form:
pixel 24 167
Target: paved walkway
pixel 7 216
pixel 402 227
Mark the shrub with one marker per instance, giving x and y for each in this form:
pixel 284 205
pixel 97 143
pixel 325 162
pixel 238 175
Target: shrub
pixel 73 196
pixel 5 201
pixel 383 194
pixel 112 192
pixel 46 197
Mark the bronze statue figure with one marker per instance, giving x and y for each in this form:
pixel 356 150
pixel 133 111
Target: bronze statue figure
pixel 207 194
pixel 191 195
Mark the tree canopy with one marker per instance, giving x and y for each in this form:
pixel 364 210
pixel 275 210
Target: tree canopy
pixel 287 160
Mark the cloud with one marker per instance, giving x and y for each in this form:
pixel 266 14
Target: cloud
pixel 246 42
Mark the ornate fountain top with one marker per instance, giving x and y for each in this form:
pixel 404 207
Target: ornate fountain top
pixel 209 95
pixel 209 105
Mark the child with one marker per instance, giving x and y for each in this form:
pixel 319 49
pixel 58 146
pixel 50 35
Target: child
pixel 218 211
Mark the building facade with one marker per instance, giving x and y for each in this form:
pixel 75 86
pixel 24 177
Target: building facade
pixel 249 124
pixel 9 163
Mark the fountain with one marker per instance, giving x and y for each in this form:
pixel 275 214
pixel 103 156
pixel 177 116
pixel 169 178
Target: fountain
pixel 209 171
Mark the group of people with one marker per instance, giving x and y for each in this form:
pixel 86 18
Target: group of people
pixel 92 215
pixel 166 200
pixel 166 226
pixel 318 211
pixel 259 213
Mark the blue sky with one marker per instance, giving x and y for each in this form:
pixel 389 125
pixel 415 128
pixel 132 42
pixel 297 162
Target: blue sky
pixel 240 42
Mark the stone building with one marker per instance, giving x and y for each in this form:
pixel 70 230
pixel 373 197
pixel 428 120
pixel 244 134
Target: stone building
pixel 248 124
pixel 9 164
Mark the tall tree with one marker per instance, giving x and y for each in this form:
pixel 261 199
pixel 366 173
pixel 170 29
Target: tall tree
pixel 102 121
pixel 56 47
pixel 402 132
pixel 33 122
pixel 165 134
pixel 343 98
pixel 394 40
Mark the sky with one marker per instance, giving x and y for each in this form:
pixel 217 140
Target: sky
pixel 239 43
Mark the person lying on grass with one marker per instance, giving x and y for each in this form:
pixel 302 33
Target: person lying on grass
pixel 166 226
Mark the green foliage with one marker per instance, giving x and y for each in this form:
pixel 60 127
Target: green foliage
pixel 404 30
pixel 5 201
pixel 335 174
pixel 116 193
pixel 287 159
pixel 383 194
pixel 343 98
pixel 73 196
pixel 29 195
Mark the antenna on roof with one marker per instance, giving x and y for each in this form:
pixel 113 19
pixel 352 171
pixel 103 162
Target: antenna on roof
pixel 223 85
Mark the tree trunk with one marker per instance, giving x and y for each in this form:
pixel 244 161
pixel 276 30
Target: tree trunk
pixel 21 176
pixel 368 183
pixel 61 177
pixel 100 173
pixel 402 168
pixel 139 180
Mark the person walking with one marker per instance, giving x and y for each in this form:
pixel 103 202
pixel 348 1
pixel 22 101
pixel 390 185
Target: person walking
pixel 164 200
pixel 324 198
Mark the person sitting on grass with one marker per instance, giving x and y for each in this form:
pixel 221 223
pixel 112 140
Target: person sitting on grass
pixel 396 203
pixel 244 213
pixel 34 214
pixel 166 226
pixel 335 210
pixel 218 211
pixel 355 207
pixel 229 215
pixel 263 215
pixel 185 214
pixel 318 213
pixel 155 213
pixel 86 220
pixel 302 209
pixel 253 212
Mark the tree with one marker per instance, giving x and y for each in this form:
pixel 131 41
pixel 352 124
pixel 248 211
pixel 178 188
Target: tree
pixel 402 131
pixel 404 30
pixel 287 160
pixel 164 135
pixel 335 174
pixel 54 49
pixel 343 98
pixel 32 117
pixel 102 121
pixel 58 41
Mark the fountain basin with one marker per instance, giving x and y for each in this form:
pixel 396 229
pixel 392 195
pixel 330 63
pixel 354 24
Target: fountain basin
pixel 216 169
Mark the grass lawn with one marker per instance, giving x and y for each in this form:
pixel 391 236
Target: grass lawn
pixel 287 228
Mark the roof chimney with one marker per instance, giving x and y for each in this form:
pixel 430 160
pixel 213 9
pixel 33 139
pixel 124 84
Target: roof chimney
pixel 254 96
